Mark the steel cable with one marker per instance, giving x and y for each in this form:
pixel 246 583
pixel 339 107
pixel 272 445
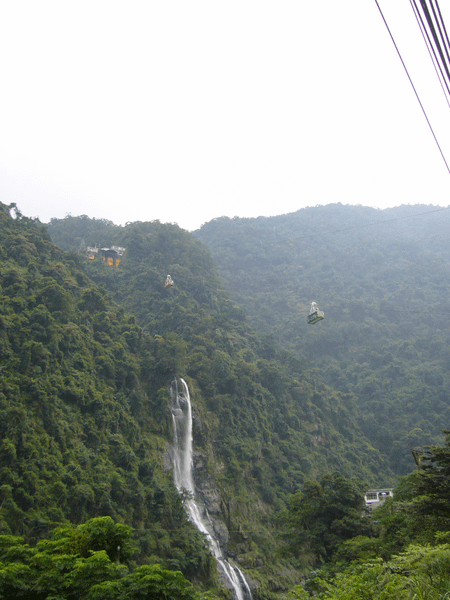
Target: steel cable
pixel 413 87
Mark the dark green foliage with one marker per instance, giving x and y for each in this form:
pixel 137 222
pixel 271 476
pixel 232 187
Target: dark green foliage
pixel 85 562
pixel 407 554
pixel 82 231
pixel 324 515
pixel 262 418
pixel 404 552
pixel 422 503
pixel 79 427
pixel 382 278
pixel 432 483
pixel 419 572
pixel 84 390
pixel 276 419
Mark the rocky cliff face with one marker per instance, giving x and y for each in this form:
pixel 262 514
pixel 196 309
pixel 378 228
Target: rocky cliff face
pixel 212 510
pixel 209 498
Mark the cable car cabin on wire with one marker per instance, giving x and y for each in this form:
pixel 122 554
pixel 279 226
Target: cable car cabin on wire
pixel 315 314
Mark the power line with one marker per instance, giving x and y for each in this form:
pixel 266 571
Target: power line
pixel 412 85
pixel 442 31
pixel 431 51
pixel 443 25
pixel 375 223
pixel 432 23
pixel 439 22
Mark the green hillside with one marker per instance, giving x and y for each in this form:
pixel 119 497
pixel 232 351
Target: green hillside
pixel 89 352
pixel 382 278
pixel 291 423
pixel 82 430
pixel 264 422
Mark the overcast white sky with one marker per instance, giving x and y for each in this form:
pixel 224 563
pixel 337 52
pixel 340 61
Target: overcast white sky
pixel 188 110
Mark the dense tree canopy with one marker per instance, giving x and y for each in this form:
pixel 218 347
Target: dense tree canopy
pixel 324 514
pixel 263 419
pixel 405 552
pixel 382 278
pixel 81 433
pixel 283 417
pixel 88 561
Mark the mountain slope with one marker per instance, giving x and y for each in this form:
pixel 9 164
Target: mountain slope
pixel 263 420
pixel 81 436
pixel 382 279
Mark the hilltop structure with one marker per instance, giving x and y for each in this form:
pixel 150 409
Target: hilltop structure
pixel 112 255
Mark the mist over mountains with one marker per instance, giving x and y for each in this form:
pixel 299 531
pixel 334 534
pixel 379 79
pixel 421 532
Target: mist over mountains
pixel 89 352
pixel 382 278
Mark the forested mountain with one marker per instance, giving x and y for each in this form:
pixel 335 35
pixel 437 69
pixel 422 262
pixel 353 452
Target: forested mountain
pixel 88 354
pixel 285 414
pixel 82 429
pixel 211 343
pixel 382 279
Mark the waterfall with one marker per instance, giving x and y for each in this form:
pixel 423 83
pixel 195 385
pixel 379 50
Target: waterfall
pixel 182 468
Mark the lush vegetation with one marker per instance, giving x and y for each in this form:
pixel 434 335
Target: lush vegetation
pixel 323 515
pixel 264 421
pixel 405 550
pixel 382 278
pixel 291 424
pixel 82 429
pixel 90 561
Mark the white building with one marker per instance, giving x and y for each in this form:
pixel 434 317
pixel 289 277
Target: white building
pixel 375 498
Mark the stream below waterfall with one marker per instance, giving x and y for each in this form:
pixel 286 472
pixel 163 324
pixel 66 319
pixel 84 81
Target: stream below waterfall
pixel 183 477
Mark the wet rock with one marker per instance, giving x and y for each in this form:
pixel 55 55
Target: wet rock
pixel 167 463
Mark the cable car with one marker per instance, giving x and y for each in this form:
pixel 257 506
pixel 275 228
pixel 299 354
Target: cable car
pixel 315 314
pixel 169 281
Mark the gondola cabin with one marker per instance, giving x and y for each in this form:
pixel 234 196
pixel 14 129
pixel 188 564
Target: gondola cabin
pixel 315 314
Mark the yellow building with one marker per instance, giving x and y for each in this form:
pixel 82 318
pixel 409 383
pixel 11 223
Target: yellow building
pixel 112 256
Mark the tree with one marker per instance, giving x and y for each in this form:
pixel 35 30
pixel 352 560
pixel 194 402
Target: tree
pixel 433 482
pixel 149 582
pixel 98 534
pixel 82 562
pixel 419 572
pixel 324 514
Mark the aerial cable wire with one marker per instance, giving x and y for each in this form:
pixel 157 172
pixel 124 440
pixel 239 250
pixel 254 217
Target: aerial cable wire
pixel 432 29
pixel 374 223
pixel 443 25
pixel 444 38
pixel 412 85
pixel 431 51
pixel 442 46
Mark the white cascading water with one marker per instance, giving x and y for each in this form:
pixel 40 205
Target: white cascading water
pixel 182 467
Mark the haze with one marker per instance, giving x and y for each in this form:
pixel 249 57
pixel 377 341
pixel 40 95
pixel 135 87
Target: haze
pixel 187 111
